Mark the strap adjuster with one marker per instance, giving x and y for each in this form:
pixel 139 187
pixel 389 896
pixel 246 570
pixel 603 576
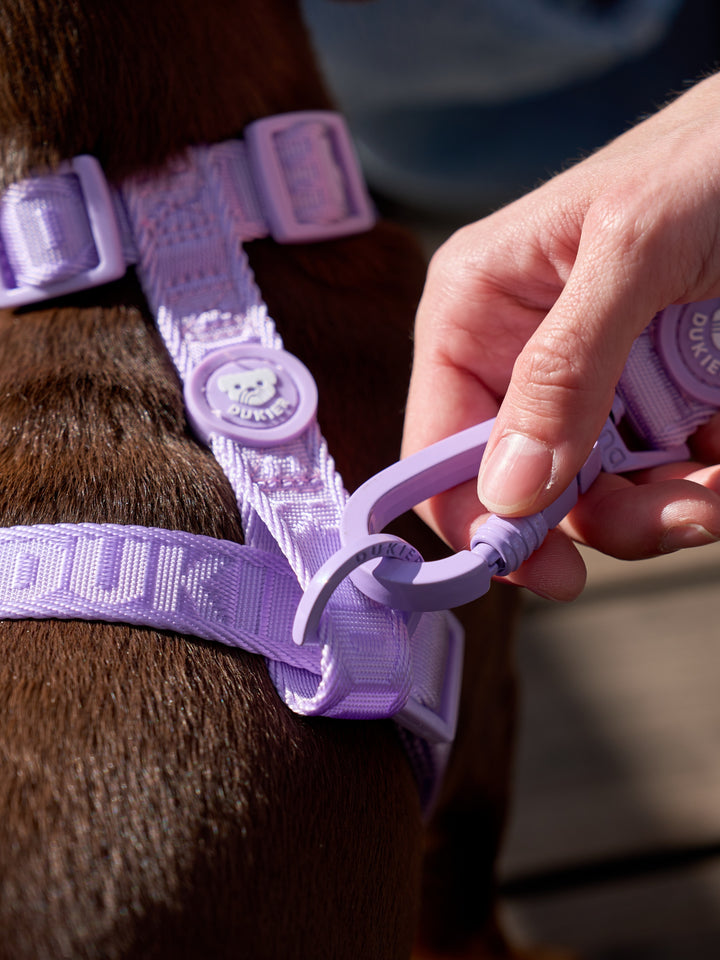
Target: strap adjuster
pixel 308 177
pixel 53 236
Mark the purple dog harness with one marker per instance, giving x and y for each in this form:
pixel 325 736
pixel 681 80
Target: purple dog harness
pixel 351 621
pixel 293 177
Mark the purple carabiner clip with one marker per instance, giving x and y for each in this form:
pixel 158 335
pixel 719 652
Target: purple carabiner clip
pixel 390 571
pixel 498 546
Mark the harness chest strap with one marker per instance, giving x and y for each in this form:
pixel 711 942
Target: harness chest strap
pixel 251 402
pixel 166 579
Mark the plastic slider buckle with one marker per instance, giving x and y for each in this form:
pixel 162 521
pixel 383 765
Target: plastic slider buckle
pixel 101 216
pixel 308 177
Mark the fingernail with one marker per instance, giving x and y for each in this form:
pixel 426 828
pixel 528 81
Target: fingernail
pixel 686 535
pixel 518 469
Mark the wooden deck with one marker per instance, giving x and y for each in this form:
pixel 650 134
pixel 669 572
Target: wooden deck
pixel 614 845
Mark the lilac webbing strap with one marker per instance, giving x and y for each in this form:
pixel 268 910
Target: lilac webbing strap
pixel 165 579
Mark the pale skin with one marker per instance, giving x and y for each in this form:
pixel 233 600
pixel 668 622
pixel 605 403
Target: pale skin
pixel 529 315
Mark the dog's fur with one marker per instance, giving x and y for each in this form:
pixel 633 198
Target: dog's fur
pixel 156 799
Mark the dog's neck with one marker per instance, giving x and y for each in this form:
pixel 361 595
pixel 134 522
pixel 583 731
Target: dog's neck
pixel 132 104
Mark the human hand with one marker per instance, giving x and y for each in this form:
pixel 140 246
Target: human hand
pixel 530 314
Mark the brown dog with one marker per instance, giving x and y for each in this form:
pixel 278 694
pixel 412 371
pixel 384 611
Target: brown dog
pixel 157 799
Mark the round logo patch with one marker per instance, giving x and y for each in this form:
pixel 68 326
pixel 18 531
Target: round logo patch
pixel 689 343
pixel 253 394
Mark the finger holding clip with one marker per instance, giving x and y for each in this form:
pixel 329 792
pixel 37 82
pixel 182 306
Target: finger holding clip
pixel 501 545
pixel 391 572
pixel 498 547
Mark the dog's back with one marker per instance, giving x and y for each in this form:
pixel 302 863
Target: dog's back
pixel 156 797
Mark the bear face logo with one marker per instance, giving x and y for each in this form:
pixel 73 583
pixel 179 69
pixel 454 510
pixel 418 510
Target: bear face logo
pixel 251 388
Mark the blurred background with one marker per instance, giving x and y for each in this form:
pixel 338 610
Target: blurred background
pixel 458 106
pixel 614 841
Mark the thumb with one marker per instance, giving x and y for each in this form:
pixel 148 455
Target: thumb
pixel 559 396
